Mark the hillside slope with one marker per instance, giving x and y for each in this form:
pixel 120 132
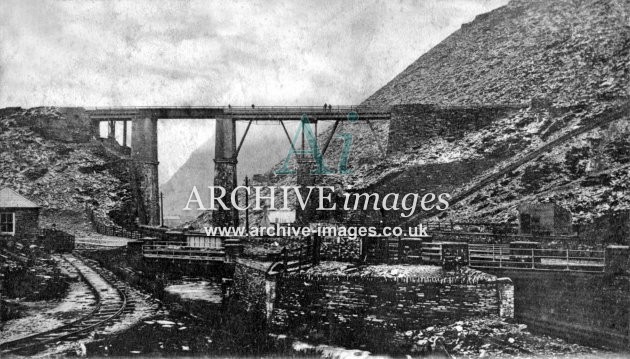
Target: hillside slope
pixel 558 54
pixel 198 170
pixel 263 146
pixel 564 51
pixel 567 62
pixel 48 155
pixel 588 174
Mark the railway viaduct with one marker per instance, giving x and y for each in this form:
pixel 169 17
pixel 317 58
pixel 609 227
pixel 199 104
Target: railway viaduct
pixel 144 143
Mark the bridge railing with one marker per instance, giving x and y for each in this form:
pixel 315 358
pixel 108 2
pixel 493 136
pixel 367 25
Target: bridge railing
pixel 568 241
pixel 472 227
pixel 255 108
pixel 116 231
pixel 501 256
pixel 177 251
pixel 306 109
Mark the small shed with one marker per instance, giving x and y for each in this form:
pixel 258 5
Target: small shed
pixel 281 216
pixel 19 217
pixel 544 219
pixel 271 217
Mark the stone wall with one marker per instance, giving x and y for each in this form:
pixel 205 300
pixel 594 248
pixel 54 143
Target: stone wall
pixel 412 123
pixel 505 291
pixel 74 125
pixel 253 287
pixel 351 311
pixel 588 308
pixel 144 169
pixel 26 223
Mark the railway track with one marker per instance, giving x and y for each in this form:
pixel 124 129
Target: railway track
pixel 111 303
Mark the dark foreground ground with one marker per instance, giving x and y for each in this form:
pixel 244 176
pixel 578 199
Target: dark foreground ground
pixel 203 323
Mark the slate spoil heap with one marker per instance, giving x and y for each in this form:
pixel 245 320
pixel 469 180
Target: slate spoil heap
pixel 565 63
pixel 490 338
pixel 60 174
pixel 562 51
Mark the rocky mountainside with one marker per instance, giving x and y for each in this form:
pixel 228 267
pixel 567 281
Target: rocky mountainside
pixel 589 175
pixel 565 65
pixel 565 51
pixel 261 149
pixel 49 156
pixel 197 171
pixel 560 54
pixel 566 62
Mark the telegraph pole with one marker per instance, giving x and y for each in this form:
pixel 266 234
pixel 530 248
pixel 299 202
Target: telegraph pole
pixel 247 205
pixel 161 209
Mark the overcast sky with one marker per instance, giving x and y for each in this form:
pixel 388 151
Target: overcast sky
pixel 92 53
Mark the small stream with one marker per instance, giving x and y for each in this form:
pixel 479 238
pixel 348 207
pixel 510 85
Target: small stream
pixel 196 290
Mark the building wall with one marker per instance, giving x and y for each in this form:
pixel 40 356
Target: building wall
pixel 550 217
pixel 75 127
pixel 26 222
pixel 562 221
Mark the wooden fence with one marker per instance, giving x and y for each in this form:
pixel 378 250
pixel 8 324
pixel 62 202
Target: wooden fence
pixel 296 259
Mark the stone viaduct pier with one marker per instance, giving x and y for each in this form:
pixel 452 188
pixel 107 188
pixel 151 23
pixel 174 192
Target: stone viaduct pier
pixel 144 143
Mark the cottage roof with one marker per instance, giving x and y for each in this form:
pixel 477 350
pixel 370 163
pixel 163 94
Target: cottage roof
pixel 11 199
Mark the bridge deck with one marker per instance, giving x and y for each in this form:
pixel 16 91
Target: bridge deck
pixel 181 252
pixel 257 113
pixel 186 257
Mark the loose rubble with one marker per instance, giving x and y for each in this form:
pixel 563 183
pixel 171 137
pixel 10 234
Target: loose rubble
pixel 493 338
pixel 62 176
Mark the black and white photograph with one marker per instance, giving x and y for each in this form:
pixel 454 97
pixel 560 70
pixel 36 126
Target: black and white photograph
pixel 332 179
